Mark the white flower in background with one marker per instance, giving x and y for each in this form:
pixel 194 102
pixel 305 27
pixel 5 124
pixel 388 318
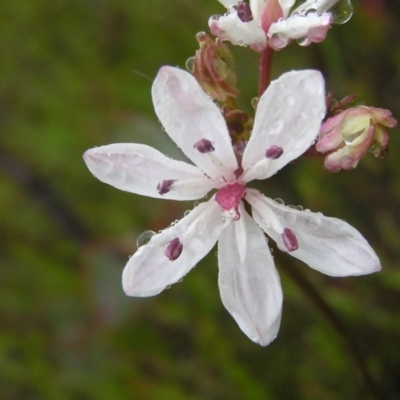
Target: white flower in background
pixel 263 23
pixel 287 122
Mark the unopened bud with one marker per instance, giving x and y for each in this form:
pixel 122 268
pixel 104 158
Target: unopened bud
pixel 213 67
pixel 347 137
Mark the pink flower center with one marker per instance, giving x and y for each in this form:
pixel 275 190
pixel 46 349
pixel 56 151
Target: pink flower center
pixel 229 197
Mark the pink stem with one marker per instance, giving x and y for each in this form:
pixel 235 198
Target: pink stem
pixel 264 67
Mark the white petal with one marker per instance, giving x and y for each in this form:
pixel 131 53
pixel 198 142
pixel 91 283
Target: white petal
pixel 286 5
pixel 328 245
pixel 288 116
pixel 319 5
pixel 230 27
pixel 310 28
pixel 229 3
pixel 249 283
pixel 188 116
pixel 139 169
pixel 149 271
pixel 257 7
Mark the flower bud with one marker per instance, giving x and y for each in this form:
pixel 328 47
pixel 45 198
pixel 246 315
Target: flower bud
pixel 347 137
pixel 213 67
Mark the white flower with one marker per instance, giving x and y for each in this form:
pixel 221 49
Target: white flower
pixel 270 23
pixel 287 122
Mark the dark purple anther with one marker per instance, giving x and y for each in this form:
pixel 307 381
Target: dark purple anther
pixel 174 249
pixel 204 146
pixel 164 186
pixel 274 152
pixel 244 12
pixel 289 240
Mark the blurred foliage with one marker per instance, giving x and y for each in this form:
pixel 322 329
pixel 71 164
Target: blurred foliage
pixel 76 74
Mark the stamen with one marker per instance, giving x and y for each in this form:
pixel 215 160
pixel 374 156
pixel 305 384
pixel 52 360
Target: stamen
pixel 204 146
pixel 273 152
pixel 165 186
pixel 244 12
pixel 173 249
pixel 289 240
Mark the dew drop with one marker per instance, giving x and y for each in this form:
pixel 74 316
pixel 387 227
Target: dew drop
pixel 290 218
pixel 290 100
pixel 341 11
pixel 304 41
pixel 303 115
pixel 200 226
pixel 279 201
pixel 144 238
pixel 350 137
pixel 119 177
pixel 197 245
pixel 186 213
pixel 254 102
pixel 215 17
pixel 103 167
pixel 260 170
pixel 190 64
pixel 312 222
pixel 276 127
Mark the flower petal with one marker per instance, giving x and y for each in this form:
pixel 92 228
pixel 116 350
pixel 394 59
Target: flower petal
pixel 318 5
pixel 249 283
pixel 189 116
pixel 139 169
pixel 310 28
pixel 228 3
pixel 328 245
pixel 230 27
pixel 151 269
pixel 286 5
pixel 288 117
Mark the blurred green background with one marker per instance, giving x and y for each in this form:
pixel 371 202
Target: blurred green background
pixel 77 74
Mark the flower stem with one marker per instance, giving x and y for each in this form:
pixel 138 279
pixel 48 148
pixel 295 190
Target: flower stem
pixel 264 68
pixel 326 310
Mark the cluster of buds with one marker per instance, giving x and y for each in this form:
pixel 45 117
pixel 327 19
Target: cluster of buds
pixel 213 66
pixel 347 136
pixel 239 126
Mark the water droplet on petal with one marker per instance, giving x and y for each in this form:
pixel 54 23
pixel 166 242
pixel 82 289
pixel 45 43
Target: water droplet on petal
pixel 290 100
pixel 119 177
pixel 190 64
pixel 178 125
pixel 200 226
pixel 260 170
pixel 312 222
pixel 276 127
pixel 350 137
pixel 343 225
pixel 341 11
pixel 290 218
pixel 279 201
pixel 144 238
pixel 304 41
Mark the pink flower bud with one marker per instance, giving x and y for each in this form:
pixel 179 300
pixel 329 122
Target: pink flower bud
pixel 347 137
